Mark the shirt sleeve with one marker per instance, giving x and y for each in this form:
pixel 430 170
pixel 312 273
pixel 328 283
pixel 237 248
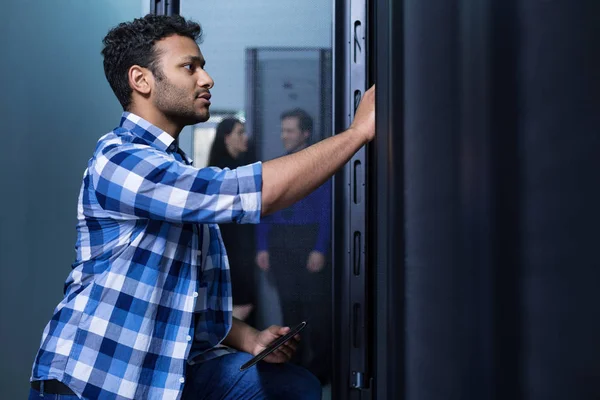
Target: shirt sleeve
pixel 140 181
pixel 324 233
pixel 262 236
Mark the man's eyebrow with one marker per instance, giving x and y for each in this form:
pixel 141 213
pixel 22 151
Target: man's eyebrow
pixel 195 60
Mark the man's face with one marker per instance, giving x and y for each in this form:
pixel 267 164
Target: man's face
pixel 292 137
pixel 182 92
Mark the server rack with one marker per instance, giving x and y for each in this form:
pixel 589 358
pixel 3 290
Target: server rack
pixel 164 7
pixel 458 291
pixel 487 143
pixel 369 241
pixel 386 192
pixel 352 374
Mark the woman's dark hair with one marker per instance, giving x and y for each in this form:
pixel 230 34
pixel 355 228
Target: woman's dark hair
pixel 132 43
pixel 218 151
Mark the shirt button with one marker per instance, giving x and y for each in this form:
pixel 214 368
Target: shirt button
pixel 182 379
pixel 188 338
pixel 195 294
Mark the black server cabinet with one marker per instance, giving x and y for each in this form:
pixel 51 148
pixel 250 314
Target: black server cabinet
pixel 164 7
pixel 369 201
pixel 387 204
pixel 484 200
pixel 352 372
pixel 465 235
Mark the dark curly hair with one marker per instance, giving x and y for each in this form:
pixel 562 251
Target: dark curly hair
pixel 132 43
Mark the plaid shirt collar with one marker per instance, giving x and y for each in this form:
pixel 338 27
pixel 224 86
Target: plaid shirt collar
pixel 152 134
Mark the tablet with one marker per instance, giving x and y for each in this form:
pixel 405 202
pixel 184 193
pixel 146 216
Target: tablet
pixel 274 346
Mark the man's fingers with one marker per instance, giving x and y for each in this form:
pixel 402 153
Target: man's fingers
pixel 286 352
pixel 281 330
pixel 291 344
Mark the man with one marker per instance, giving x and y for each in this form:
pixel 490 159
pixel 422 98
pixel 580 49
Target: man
pixel 147 306
pixel 293 245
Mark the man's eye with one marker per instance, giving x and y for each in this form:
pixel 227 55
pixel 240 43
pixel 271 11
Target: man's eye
pixel 189 67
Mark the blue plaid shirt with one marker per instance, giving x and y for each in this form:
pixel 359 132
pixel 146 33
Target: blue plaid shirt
pixel 142 299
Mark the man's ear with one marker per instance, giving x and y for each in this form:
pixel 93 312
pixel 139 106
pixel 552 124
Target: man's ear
pixel 306 135
pixel 140 79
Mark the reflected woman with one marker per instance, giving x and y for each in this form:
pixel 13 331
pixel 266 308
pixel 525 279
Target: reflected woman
pixel 230 150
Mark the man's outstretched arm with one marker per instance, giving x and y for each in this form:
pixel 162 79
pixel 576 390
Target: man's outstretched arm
pixel 290 178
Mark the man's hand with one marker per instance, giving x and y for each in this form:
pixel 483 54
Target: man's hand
pixel 284 352
pixel 262 260
pixel 364 119
pixel 316 261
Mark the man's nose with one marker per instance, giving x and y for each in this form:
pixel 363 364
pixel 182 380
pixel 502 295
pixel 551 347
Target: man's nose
pixel 205 81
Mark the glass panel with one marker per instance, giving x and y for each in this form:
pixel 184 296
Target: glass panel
pixel 271 63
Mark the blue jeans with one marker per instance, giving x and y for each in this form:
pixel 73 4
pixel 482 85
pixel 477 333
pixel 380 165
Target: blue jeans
pixel 220 379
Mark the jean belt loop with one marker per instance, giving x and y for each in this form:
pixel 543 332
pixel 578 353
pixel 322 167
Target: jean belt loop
pixel 42 388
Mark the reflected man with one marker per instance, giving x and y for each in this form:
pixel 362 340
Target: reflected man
pixel 293 244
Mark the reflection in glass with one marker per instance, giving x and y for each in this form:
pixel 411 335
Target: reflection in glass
pixel 271 63
pixel 293 247
pixel 230 149
pixel 289 108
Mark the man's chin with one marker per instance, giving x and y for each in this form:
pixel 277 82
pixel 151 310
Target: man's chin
pixel 198 118
pixel 203 116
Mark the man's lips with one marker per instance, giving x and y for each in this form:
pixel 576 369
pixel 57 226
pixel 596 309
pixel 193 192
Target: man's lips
pixel 205 97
